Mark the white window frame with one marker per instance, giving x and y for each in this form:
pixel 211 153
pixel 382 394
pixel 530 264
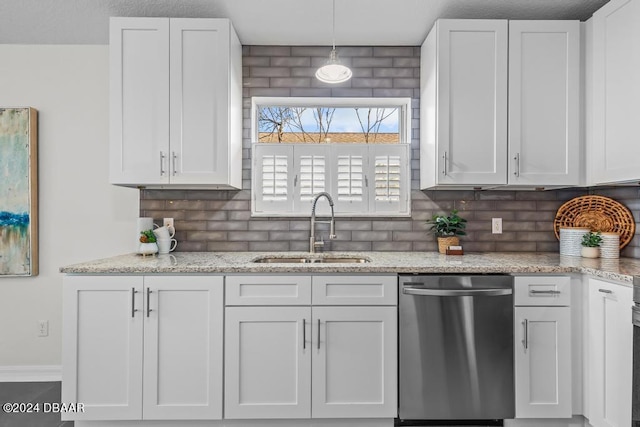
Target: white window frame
pixel 298 209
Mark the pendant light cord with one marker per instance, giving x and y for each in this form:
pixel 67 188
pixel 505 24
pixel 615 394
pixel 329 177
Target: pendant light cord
pixel 333 31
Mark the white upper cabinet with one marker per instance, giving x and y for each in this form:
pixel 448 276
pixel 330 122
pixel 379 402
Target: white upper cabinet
pixel 544 108
pixel 614 86
pixel 463 103
pixel 176 103
pixel 467 67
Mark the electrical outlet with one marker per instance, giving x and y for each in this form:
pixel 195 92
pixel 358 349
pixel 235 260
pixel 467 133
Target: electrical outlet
pixel 168 222
pixel 496 225
pixel 43 328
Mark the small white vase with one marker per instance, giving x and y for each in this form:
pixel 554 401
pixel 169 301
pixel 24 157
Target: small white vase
pixel 588 252
pixel 148 248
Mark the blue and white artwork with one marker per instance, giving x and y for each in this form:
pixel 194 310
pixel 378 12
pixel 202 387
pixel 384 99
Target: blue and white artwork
pixel 18 192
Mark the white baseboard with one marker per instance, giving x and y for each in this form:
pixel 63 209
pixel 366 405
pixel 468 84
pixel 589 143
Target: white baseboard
pixel 35 373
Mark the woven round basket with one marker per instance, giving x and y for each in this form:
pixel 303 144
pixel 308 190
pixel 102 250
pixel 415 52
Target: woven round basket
pixel 445 242
pixel 597 213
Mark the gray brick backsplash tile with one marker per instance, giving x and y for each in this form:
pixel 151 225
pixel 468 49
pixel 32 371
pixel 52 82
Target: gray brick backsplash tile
pixel 406 62
pixel 269 225
pixel 269 51
pixel 220 220
pixel 351 92
pixel 288 235
pixel 392 246
pixel 391 93
pixel 270 72
pixel 363 236
pixel 249 236
pixel 515 246
pixel 156 205
pixel 401 83
pixel 228 246
pixel 270 246
pixel 338 245
pixel 227 225
pixel 256 82
pixel 372 62
pixel 290 82
pixel 403 225
pixel 206 235
pixel 393 51
pixel 311 92
pixel 191 225
pixel 372 83
pixel 287 61
pixel 393 72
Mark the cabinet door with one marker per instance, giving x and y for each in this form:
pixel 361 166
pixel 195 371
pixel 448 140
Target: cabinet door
pixel 544 109
pixel 471 101
pixel 102 347
pixel 139 101
pixel 183 347
pixel 610 354
pixel 199 70
pixel 354 362
pixel 543 362
pixel 267 362
pixel 616 92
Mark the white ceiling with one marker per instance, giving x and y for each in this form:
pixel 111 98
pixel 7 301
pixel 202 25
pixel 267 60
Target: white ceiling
pixel 273 22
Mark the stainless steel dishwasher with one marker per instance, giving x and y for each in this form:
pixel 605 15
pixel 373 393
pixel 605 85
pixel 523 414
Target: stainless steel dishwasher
pixel 456 347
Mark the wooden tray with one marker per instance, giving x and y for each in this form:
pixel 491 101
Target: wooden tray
pixel 598 213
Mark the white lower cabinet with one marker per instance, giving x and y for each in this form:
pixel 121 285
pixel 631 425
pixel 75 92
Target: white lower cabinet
pixel 610 357
pixel 542 340
pixel 143 347
pixel 543 362
pixel 310 361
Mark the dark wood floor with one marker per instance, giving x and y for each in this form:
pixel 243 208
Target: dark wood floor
pixel 32 392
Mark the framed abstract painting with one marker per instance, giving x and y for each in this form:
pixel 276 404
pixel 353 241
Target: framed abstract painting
pixel 18 192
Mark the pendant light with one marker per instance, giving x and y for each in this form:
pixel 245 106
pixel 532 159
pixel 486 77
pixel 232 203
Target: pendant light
pixel 333 71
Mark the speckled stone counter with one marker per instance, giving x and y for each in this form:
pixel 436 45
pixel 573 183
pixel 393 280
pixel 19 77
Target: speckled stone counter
pixel 378 262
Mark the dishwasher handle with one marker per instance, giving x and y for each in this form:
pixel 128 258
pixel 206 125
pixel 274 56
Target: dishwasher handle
pixel 487 292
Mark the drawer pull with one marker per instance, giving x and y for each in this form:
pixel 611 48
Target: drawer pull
pixel 605 291
pixel 544 292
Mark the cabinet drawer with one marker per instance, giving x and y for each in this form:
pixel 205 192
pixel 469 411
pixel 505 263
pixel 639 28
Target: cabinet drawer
pixel 542 291
pixel 355 290
pixel 268 290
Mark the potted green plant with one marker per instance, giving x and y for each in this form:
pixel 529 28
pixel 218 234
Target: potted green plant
pixel 591 244
pixel 148 243
pixel 447 228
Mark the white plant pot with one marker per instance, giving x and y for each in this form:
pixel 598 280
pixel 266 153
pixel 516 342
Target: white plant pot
pixel 588 252
pixel 148 248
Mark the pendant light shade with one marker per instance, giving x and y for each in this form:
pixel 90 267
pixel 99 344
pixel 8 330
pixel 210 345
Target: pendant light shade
pixel 333 71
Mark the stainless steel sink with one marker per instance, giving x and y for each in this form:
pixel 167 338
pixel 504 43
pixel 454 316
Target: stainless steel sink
pixel 311 260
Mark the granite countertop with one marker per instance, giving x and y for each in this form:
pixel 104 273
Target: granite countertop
pixel 622 269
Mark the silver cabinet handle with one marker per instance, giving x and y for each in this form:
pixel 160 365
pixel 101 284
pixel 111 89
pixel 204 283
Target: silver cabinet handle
pixel 318 334
pixel 162 156
pixel 525 341
pixel 133 302
pixel 304 333
pixel 456 292
pixel 148 299
pixel 517 159
pixel 533 291
pixel 173 160
pixel 605 291
pixel 444 163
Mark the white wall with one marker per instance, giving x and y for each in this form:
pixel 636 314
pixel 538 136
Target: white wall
pixel 82 217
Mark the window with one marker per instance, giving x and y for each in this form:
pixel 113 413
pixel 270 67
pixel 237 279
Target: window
pixel 356 149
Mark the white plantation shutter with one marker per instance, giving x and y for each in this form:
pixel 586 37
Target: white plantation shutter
pixel 273 184
pixel 390 176
pixel 349 186
pixel 312 175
